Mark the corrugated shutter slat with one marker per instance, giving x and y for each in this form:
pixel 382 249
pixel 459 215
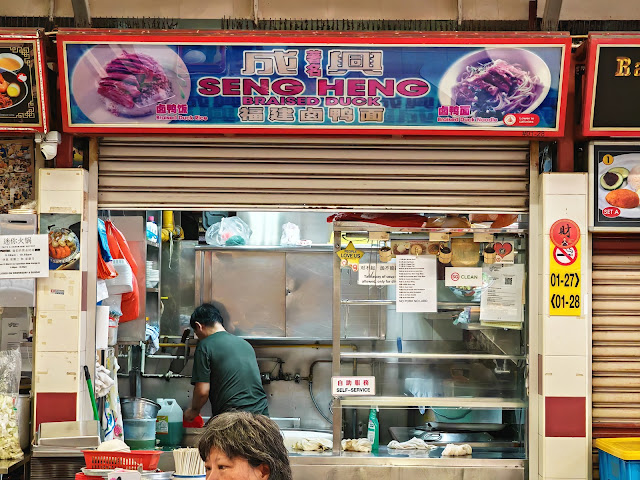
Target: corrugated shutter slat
pixel 337 174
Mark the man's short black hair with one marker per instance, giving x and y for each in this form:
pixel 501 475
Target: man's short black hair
pixel 206 315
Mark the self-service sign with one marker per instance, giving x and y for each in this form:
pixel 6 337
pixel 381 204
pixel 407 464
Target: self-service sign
pixel 564 269
pixel 353 386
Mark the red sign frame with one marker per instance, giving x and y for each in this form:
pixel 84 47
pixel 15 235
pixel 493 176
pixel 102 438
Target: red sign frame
pixel 524 39
pixel 596 40
pixel 37 38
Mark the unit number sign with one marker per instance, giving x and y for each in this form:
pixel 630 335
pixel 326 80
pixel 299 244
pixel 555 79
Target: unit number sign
pixel 565 283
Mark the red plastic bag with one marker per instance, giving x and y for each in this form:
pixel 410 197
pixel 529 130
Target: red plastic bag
pixel 130 305
pixel 119 248
pixel 105 269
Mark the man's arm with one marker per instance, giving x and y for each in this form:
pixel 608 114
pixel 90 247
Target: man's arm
pixel 200 397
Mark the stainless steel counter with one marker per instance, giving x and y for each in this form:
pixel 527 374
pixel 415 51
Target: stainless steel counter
pixel 483 464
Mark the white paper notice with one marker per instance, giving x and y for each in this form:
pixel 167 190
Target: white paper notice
pixel 416 283
pixel 503 300
pixel 377 274
pixel 24 256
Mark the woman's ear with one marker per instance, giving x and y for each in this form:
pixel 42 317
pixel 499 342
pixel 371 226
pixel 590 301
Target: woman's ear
pixel 264 472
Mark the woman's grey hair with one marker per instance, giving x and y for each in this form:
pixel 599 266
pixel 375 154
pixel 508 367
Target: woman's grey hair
pixel 247 435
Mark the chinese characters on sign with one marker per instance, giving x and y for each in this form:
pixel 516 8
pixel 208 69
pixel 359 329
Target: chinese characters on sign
pixel 24 256
pixel 564 233
pixel 238 85
pixel 353 386
pixel 377 274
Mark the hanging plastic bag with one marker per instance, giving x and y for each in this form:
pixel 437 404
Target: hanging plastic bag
pixel 123 283
pixel 229 231
pixel 119 247
pixel 10 367
pixel 105 269
pixel 130 304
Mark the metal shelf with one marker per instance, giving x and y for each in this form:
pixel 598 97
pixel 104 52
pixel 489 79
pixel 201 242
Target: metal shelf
pixel 153 290
pixel 153 244
pixel 373 302
pixel 462 402
pixel 427 356
pixel 374 227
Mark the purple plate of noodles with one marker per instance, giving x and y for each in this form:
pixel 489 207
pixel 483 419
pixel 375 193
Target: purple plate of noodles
pixel 496 82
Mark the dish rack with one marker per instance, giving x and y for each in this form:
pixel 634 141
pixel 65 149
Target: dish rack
pixel 126 460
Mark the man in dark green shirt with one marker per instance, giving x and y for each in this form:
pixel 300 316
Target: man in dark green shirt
pixel 225 369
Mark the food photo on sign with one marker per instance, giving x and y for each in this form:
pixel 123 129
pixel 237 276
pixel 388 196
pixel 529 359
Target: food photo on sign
pixel 615 183
pixel 63 232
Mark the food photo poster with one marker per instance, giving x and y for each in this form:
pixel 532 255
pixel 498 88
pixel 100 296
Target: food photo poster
pixel 64 232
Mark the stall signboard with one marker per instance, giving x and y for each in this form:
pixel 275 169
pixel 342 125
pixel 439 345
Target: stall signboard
pixel 23 106
pixel 313 83
pixel 612 86
pixel 614 186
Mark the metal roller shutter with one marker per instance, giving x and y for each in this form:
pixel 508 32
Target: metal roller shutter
pixel 291 173
pixel 616 337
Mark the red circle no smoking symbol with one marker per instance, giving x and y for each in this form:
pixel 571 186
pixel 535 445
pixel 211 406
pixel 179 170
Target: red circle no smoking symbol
pixel 564 233
pixel 455 276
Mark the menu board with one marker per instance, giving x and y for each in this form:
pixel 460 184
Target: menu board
pixel 21 83
pixel 614 172
pixel 287 83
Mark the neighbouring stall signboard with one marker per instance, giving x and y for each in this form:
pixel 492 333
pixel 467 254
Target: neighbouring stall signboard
pixel 614 188
pixel 612 88
pixel 300 83
pixel 22 82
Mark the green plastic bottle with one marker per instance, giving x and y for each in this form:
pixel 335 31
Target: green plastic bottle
pixel 373 430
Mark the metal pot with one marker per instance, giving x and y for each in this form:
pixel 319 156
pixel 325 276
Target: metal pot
pixel 138 408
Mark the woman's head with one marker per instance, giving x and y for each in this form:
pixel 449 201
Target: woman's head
pixel 244 446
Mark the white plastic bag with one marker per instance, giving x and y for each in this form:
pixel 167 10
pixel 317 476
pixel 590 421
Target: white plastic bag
pixel 123 283
pixel 290 234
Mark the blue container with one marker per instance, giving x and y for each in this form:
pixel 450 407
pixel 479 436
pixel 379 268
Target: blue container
pixel 614 468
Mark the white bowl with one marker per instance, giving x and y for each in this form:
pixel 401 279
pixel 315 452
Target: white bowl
pixel 12 57
pixel 528 60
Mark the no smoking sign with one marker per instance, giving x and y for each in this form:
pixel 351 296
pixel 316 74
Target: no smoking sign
pixel 565 256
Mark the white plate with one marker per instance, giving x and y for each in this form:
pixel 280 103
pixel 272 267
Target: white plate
pixel 93 472
pixel 528 60
pixel 628 161
pixel 89 70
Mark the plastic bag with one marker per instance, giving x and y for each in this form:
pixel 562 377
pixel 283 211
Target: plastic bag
pixel 229 231
pixel 10 367
pixel 290 234
pixel 123 283
pixel 119 249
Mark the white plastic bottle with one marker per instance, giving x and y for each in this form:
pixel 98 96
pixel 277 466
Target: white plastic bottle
pixel 152 230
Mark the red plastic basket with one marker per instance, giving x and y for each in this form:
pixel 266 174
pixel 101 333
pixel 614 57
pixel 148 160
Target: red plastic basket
pixel 82 476
pixel 128 460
